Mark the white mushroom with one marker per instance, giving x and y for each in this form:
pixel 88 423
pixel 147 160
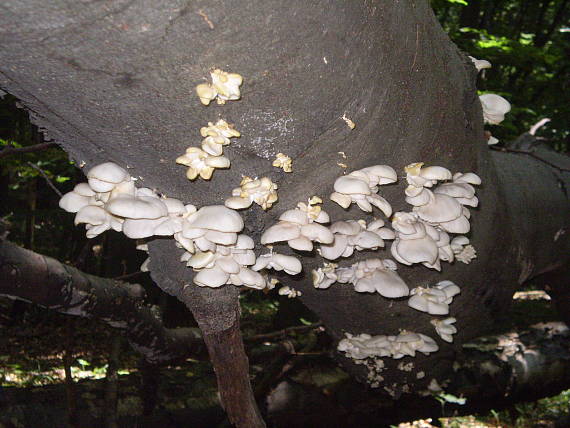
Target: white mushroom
pixel 289 264
pixel 224 86
pixel 374 275
pixel 201 163
pixel 480 64
pixel 261 191
pixel 283 161
pixel 445 328
pixel 290 292
pixel 300 227
pixel 494 108
pixel 351 234
pixel 104 177
pixel 364 346
pixel 434 300
pixel 217 136
pixel 361 187
pixel 463 252
pixel 324 276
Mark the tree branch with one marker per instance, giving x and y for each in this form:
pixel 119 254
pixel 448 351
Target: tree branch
pixel 11 150
pixel 47 282
pixel 46 178
pixel 531 154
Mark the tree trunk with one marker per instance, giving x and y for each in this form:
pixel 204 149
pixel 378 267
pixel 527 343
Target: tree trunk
pixel 115 81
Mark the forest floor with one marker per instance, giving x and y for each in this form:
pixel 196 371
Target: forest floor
pixel 304 388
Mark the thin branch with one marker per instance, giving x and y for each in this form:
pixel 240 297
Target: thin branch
pixel 44 175
pixel 531 154
pixel 282 333
pixel 11 150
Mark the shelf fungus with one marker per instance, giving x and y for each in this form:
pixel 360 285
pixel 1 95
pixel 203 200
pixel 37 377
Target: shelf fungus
pixel 262 191
pixel 324 276
pixel 445 328
pixel 224 87
pixel 360 187
pixel 480 64
pixel 406 343
pixel 278 262
pixel 353 235
pixel 374 275
pixel 201 163
pixel 290 292
pixel 419 242
pixel 301 227
pixel 494 108
pixel 283 161
pixel 444 206
pixel 463 251
pixel 216 136
pixel 434 300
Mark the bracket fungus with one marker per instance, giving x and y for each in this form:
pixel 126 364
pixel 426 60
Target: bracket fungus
pixel 360 187
pixel 301 227
pixel 216 136
pixel 434 300
pixel 262 191
pixel 201 163
pixel 494 108
pixel 419 242
pixel 445 328
pixel 353 235
pixel 374 275
pixel 324 276
pixel 224 87
pixel 289 264
pixel 404 344
pixel 283 161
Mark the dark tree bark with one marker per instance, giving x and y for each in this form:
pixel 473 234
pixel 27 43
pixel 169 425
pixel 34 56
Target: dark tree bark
pixel 45 281
pixel 114 81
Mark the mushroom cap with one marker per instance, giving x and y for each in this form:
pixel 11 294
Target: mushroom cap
pixel 380 174
pixel 222 238
pixel 368 240
pixel 216 217
pixel 92 214
pixel 289 264
pixel 459 225
pixel 212 277
pixel 201 260
pixel 168 226
pixel 294 216
pixel 228 264
pixel 317 232
pixel 104 177
pixel 141 227
pixel 494 108
pixel 379 202
pixel 443 208
pixel 72 202
pixel 249 278
pixel 174 206
pixel 341 199
pixel 301 243
pixel 137 207
pixel 456 190
pixel 349 227
pixel 350 185
pixel 468 177
pixel 83 189
pixel 282 231
pixel 415 250
pixel 336 249
pixel 435 173
pixel 238 203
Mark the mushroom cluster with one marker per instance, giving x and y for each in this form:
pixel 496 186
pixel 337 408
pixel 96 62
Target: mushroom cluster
pixel 419 242
pixel 374 275
pixel 404 344
pixel 278 262
pixel 445 328
pixel 224 87
pixel 221 254
pixel 284 162
pixel 463 251
pixel 110 200
pixel 360 187
pixel 290 292
pixel 442 207
pixel 434 300
pixel 353 235
pixel 203 161
pixel 324 276
pixel 301 227
pixel 262 191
